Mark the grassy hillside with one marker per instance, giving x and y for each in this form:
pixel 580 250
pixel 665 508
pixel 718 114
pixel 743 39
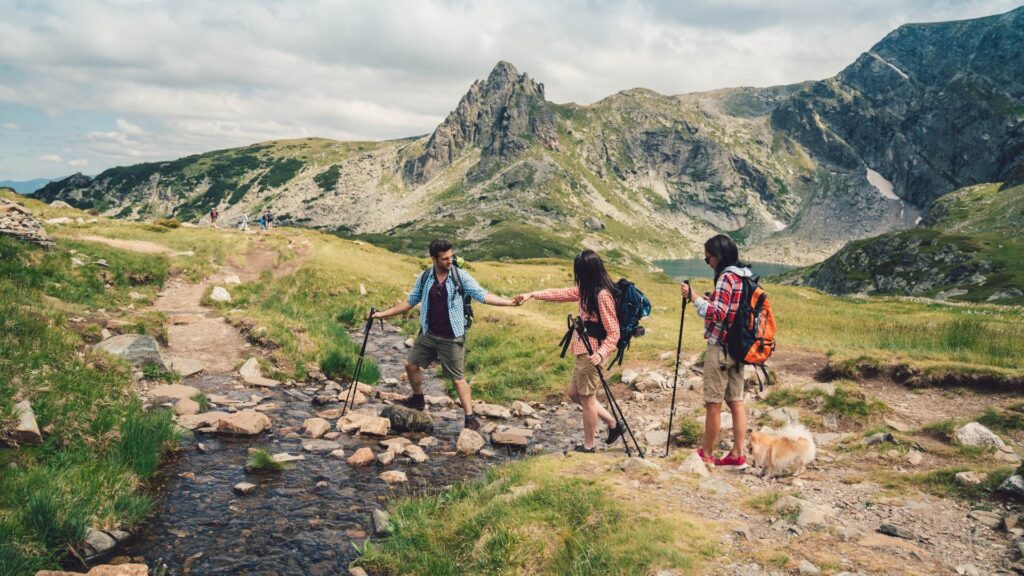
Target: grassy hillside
pixel 968 248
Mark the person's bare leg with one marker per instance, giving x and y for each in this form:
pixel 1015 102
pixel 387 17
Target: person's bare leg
pixel 604 414
pixel 465 396
pixel 415 375
pixel 739 427
pixel 712 423
pixel 590 405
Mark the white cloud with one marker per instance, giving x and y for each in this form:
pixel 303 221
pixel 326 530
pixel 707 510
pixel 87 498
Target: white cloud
pixel 78 163
pixel 10 126
pixel 171 78
pixel 51 158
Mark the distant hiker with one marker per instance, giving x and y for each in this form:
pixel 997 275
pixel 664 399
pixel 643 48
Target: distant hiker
pixel 270 218
pixel 263 221
pixel 244 226
pixel 213 217
pixel 723 376
pixel 596 294
pixel 440 292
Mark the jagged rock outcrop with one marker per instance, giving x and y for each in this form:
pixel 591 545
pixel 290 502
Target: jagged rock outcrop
pixel 17 221
pixel 499 115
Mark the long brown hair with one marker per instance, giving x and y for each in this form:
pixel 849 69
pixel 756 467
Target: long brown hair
pixel 590 276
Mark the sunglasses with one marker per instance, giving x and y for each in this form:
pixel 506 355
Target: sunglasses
pixel 707 259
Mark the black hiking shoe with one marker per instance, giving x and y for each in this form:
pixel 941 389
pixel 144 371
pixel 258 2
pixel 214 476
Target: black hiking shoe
pixel 583 449
pixel 472 423
pixel 414 402
pixel 615 433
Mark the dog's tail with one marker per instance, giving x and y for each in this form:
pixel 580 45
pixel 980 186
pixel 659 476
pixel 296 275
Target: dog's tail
pixel 802 437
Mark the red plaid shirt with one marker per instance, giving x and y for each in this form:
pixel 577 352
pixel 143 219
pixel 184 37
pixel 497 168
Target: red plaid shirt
pixel 605 304
pixel 722 307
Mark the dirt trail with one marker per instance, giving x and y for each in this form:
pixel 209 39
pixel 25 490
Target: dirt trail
pixel 141 246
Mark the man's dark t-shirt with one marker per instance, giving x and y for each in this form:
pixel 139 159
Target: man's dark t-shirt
pixel 438 322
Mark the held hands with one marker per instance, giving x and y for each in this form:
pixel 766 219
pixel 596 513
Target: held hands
pixel 521 299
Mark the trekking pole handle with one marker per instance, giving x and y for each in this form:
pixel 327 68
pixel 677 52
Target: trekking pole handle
pixel 690 290
pixel 369 321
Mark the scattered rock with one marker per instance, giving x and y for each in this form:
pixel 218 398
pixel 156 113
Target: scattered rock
pixel 403 419
pixel 375 426
pixel 522 409
pixel 339 454
pixel 361 457
pixel 175 392
pixel 104 570
pixel 410 342
pixel 787 504
pixel 381 522
pixel 186 407
pixel 693 465
pixel 316 427
pixel 416 454
pixel 491 410
pixel 427 441
pixel 714 485
pixel 635 463
pixel 974 434
pixel 244 488
pixel 204 420
pixel 656 437
pixel 352 421
pixel 320 446
pixel 97 542
pixel 879 438
pixel 232 279
pixel 784 415
pixel 629 376
pixel 137 349
pixel 1005 294
pixel 27 429
pixel 593 223
pixel 897 425
pixel 186 367
pixel 285 457
pixel 896 531
pixel 245 422
pixel 356 571
pixel 650 382
pixel 469 442
pixel 398 442
pixel 386 457
pixel 393 476
pixel 511 437
pixel 805 568
pixel 440 401
pixel 914 458
pixel 220 294
pixel 823 439
pixel 251 373
pixel 986 518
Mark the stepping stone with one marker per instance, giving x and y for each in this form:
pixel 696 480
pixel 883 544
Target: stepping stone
pixel 244 488
pixel 393 476
pixel 251 373
pixel 362 457
pixel 469 442
pixel 137 349
pixel 166 392
pixel 320 446
pixel 245 423
pixel 186 367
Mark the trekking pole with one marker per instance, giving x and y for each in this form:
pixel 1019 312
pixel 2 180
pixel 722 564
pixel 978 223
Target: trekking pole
pixel 581 329
pixel 675 378
pixel 354 387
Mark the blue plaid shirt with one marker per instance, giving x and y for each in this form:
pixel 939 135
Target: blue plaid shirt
pixel 456 315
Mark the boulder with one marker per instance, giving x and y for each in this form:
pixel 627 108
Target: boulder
pixel 974 434
pixel 186 367
pixel 26 431
pixel 220 294
pixel 969 478
pixel 629 376
pixel 805 568
pixel 386 457
pixel 204 420
pixel 381 522
pixel 469 442
pixel 393 476
pixel 352 421
pixel 416 454
pixel 693 465
pixel 407 420
pixel 1013 486
pixel 137 349
pixel 511 437
pixel 316 427
pixel 97 542
pixel 245 423
pixel 813 516
pixel 375 426
pixel 593 223
pixel 438 401
pixel 186 407
pixel 522 409
pixel 251 373
pixel 244 488
pixel 491 410
pixel 361 457
pixel 650 382
pixel 172 392
pixel 320 446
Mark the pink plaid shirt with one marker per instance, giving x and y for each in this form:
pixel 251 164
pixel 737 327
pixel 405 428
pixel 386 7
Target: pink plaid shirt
pixel 722 308
pixel 606 305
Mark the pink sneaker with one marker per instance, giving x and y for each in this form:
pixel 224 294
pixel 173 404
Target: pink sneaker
pixel 706 459
pixel 730 461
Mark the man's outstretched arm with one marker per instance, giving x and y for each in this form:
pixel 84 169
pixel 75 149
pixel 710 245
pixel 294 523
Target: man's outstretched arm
pixel 393 311
pixel 499 301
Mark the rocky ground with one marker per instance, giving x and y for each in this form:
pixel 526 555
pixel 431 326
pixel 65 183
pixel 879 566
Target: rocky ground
pixel 843 515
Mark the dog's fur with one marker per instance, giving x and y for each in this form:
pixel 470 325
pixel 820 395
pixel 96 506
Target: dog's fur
pixel 789 449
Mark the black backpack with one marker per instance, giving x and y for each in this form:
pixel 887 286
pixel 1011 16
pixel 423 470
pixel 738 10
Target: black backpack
pixel 630 308
pixel 467 300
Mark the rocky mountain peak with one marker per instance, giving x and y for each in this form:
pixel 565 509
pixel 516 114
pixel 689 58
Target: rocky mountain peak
pixel 498 115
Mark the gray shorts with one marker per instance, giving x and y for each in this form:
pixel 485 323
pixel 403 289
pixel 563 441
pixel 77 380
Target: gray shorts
pixel 450 351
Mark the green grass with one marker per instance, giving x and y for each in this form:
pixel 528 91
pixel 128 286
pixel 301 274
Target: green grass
pixel 156 373
pixel 690 432
pixel 203 400
pixel 942 483
pixel 565 525
pixel 261 461
pixel 100 446
pixel 1001 421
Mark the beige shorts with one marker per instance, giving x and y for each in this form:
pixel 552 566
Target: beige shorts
pixel 584 376
pixel 451 352
pixel 723 379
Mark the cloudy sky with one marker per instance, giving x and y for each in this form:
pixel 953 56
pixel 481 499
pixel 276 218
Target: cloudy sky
pixel 86 85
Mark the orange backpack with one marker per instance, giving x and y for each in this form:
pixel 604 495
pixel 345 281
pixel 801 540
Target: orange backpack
pixel 751 335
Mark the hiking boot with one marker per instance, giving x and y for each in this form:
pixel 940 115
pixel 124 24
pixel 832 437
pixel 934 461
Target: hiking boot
pixel 615 433
pixel 731 461
pixel 472 423
pixel 583 449
pixel 706 459
pixel 414 402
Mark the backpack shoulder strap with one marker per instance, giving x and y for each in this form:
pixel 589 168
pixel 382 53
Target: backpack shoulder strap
pixel 458 280
pixel 423 278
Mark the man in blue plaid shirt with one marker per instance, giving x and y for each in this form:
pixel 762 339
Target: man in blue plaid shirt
pixel 442 324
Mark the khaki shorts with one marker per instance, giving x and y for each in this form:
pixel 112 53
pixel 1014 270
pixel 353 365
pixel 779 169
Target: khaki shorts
pixel 451 353
pixel 723 379
pixel 584 376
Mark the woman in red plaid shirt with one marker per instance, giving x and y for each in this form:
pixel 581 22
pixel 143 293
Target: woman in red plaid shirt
pixel 595 292
pixel 723 376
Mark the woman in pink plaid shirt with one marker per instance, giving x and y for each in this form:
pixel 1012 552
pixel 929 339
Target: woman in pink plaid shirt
pixel 595 292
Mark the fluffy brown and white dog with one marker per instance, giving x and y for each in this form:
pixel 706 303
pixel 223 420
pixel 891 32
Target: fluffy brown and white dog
pixel 789 449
